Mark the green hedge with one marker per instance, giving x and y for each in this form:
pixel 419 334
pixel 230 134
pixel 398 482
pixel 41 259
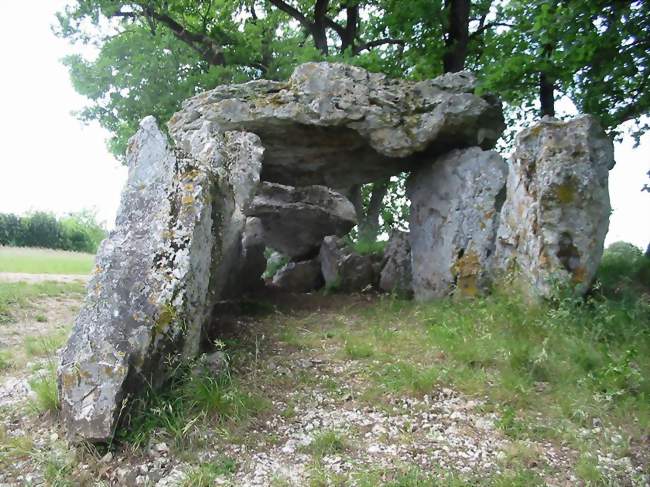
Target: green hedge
pixel 77 231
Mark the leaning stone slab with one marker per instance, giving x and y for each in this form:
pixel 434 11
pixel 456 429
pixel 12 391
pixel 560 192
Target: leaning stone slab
pixel 295 220
pixel 455 203
pixel 338 125
pixel 156 274
pixel 556 214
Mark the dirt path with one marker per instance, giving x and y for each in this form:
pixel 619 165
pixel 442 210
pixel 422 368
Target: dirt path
pixel 33 278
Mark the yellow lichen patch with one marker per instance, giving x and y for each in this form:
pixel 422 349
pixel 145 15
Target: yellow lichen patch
pixel 565 193
pixel 187 199
pixel 68 380
pixel 579 275
pixel 191 174
pixel 166 317
pixel 467 270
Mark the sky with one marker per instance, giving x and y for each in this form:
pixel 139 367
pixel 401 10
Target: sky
pixel 52 162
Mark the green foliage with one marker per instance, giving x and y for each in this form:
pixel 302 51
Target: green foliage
pixel 624 272
pixel 77 231
pixel 274 262
pixel 594 52
pixel 365 247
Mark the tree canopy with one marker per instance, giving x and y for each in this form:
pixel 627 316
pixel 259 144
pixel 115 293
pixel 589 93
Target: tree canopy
pixel 152 54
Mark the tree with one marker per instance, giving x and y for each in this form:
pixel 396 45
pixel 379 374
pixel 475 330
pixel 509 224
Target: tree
pixel 155 53
pixel 596 53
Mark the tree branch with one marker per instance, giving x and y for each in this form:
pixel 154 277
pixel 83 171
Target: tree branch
pixel 292 12
pixel 377 43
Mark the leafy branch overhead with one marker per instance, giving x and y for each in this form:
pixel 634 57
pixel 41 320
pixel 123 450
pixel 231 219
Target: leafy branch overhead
pixel 153 54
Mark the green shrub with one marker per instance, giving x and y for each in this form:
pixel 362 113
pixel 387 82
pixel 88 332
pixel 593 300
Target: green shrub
pixel 624 272
pixel 77 231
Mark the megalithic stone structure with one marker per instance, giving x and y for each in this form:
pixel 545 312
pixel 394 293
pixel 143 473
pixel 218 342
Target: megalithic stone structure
pixel 267 164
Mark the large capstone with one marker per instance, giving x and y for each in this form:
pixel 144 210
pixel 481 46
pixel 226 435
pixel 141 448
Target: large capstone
pixel 295 220
pixel 455 203
pixel 157 274
pixel 556 215
pixel 338 125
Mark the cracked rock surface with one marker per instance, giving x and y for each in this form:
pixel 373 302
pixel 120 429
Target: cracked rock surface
pixel 339 125
pixel 455 205
pixel 154 282
pixel 556 215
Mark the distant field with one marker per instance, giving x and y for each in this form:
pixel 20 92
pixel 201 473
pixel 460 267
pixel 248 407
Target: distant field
pixel 44 261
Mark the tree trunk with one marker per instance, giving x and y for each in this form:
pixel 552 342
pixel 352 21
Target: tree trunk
pixel 546 94
pixel 319 27
pixel 547 87
pixel 368 218
pixel 457 36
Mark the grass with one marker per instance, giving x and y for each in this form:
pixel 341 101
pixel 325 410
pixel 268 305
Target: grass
pixel 46 394
pixel 328 442
pixel 16 295
pixel 6 360
pixel 374 247
pixel 206 474
pixel 187 405
pixel 45 346
pixel 570 361
pixel 45 261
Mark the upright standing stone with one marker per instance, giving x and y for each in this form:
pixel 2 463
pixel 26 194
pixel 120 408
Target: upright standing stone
pixel 396 275
pixel 454 213
pixel 556 214
pixel 156 274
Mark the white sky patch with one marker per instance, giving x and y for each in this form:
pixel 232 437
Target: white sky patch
pixel 52 162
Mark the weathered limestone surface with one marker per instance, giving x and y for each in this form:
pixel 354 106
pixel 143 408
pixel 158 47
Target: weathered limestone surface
pixel 295 220
pixel 299 277
pixel 343 268
pixel 396 275
pixel 455 205
pixel 157 274
pixel 339 125
pixel 555 218
pixel 246 276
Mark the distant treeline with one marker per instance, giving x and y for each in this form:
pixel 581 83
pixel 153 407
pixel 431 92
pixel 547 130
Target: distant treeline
pixel 77 231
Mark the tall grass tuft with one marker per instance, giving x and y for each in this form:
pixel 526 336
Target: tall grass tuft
pixel 188 400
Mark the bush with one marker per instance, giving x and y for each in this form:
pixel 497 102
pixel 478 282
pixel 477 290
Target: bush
pixel 77 231
pixel 624 272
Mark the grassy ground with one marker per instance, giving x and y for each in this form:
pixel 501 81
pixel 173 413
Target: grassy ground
pixel 44 261
pixel 20 296
pixel 372 390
